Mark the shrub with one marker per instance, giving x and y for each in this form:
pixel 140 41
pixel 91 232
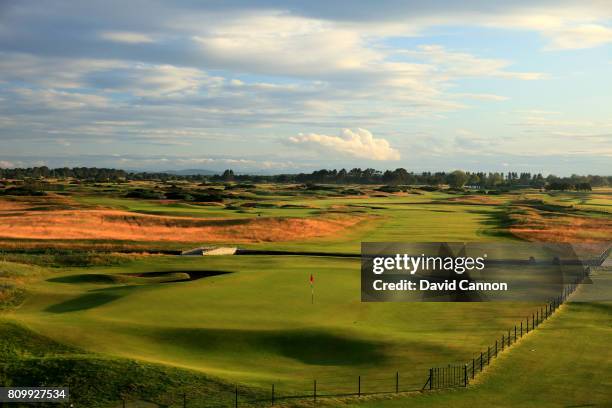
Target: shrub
pixel 23 191
pixel 145 194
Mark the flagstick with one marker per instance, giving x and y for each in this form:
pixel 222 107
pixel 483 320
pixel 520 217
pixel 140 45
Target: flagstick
pixel 311 294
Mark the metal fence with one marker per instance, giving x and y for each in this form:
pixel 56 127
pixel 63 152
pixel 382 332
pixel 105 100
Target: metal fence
pixel 460 375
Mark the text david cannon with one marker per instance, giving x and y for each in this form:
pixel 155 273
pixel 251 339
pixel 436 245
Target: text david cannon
pixel 463 285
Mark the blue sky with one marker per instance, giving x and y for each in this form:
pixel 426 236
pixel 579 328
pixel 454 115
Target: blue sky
pixel 286 86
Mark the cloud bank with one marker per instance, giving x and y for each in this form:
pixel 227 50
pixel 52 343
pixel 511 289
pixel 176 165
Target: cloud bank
pixel 359 143
pixel 235 77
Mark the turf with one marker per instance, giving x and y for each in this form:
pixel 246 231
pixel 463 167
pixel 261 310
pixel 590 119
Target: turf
pixel 257 325
pixel 566 362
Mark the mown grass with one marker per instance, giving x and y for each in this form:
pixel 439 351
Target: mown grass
pixel 257 325
pixel 566 362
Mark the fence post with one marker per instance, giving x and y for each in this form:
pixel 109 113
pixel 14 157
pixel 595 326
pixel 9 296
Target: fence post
pixel 465 377
pixel 431 378
pixel 396 382
pixel 495 348
pixel 521 328
pixel 532 322
pixel 488 355
pixel 503 341
pixel 473 367
pixel 527 325
pixel 272 394
pixel 359 386
pixel 236 397
pixel 509 339
pixel 123 403
pixel 481 361
pixel 184 400
pixel 538 317
pixel 515 333
pixel 314 394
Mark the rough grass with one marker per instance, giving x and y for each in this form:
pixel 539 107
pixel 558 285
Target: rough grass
pixel 13 279
pixel 117 225
pixel 556 226
pixel 30 359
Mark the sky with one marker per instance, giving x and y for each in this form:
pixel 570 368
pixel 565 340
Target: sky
pixel 269 86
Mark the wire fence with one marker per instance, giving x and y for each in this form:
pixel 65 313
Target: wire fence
pixel 461 375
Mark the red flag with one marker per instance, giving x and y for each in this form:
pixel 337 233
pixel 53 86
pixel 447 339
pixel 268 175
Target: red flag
pixel 311 278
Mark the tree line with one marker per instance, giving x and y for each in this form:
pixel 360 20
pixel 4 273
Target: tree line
pixel 399 176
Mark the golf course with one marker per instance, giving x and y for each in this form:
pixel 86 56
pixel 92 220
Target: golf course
pixel 93 286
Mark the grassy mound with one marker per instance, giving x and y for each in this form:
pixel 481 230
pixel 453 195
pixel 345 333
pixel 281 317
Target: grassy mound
pixel 30 359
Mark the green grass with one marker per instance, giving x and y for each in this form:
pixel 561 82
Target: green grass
pixel 29 358
pixel 257 324
pixel 566 362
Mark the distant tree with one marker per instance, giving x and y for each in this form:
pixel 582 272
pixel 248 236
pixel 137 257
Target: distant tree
pixel 228 175
pixel 457 179
pixel 583 187
pixel 598 181
pixel 559 185
pixel 495 179
pixel 473 179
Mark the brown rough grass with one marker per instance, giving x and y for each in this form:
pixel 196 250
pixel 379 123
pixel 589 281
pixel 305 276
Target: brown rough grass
pixel 123 225
pixel 9 205
pixel 533 225
pixel 476 199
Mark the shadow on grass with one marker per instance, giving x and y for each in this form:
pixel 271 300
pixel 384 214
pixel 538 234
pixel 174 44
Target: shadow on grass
pixel 96 278
pixel 314 347
pixel 178 276
pixel 85 302
pixel 498 223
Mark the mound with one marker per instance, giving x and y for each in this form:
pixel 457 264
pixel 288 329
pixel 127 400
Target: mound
pixel 532 225
pixel 122 225
pixel 36 360
pixel 475 200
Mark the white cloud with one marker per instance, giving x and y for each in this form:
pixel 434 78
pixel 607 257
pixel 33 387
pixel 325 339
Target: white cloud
pixel 279 43
pixel 164 80
pixel 5 164
pixel 461 64
pixel 53 99
pixel 581 36
pixel 574 25
pixel 359 143
pixel 126 37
